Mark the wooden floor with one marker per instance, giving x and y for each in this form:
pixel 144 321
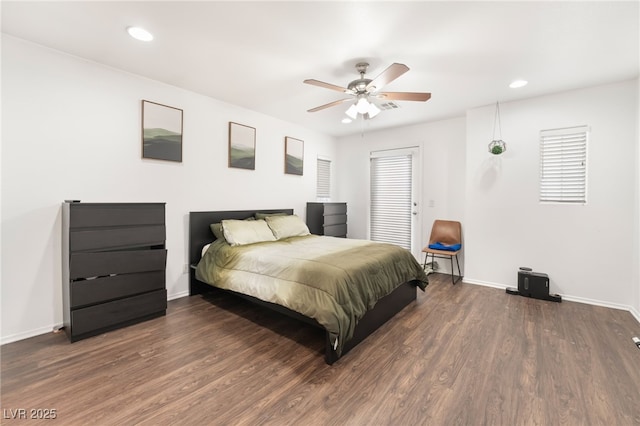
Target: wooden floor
pixel 461 355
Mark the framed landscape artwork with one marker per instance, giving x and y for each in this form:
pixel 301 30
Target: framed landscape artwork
pixel 242 146
pixel 161 132
pixel 293 156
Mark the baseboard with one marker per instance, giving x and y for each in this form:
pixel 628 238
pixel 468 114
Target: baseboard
pixel 178 295
pixel 484 283
pixel 27 334
pixel 568 298
pixel 49 329
pixel 597 303
pixel 36 332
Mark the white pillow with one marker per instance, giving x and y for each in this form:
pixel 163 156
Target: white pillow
pixel 287 226
pixel 241 232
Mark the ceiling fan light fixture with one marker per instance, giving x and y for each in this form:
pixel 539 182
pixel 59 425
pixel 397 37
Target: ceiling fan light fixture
pixel 352 112
pixel 364 90
pixel 373 110
pixel 362 106
pixel 346 120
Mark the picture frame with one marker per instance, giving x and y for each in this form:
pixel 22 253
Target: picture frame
pixel 242 146
pixel 293 156
pixel 161 132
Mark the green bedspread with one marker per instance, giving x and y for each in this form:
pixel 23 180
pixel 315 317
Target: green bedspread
pixel 333 280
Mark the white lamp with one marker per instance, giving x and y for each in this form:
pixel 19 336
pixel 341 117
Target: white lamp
pixel 362 106
pixel 352 112
pixel 373 110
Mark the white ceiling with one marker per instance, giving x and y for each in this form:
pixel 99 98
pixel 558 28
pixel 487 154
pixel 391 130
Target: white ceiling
pixel 256 54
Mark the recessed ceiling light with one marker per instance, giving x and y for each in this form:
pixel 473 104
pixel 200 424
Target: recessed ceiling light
pixel 140 34
pixel 346 120
pixel 518 83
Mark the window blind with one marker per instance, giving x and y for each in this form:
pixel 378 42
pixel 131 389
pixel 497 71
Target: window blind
pixel 323 182
pixel 563 165
pixel 391 185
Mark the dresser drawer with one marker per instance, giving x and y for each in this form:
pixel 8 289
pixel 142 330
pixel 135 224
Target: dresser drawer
pixel 337 208
pixel 98 290
pixel 109 238
pixel 95 215
pixel 335 219
pixel 336 230
pixel 85 265
pixel 108 314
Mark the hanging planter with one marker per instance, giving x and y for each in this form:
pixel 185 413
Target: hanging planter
pixel 497 146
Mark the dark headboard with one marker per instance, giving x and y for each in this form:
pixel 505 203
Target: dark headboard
pixel 200 234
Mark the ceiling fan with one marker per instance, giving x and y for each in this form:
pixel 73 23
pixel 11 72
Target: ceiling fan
pixel 365 90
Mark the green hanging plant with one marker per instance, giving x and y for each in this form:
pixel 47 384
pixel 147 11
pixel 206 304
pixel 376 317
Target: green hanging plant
pixel 497 146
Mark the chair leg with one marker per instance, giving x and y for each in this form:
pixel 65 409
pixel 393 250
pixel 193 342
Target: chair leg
pixel 453 281
pixel 459 273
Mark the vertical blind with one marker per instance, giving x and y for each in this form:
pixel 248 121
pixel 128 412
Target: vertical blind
pixel 563 165
pixel 391 187
pixel 323 183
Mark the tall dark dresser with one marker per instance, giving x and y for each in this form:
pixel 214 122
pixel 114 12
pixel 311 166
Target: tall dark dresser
pixel 327 219
pixel 113 265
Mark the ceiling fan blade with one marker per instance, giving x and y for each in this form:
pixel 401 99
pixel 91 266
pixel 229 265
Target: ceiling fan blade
pixel 326 85
pixel 392 72
pixel 330 104
pixel 404 96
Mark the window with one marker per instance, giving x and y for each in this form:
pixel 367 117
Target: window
pixel 323 183
pixel 563 165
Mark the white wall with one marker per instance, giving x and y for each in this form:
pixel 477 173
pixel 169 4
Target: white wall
pixel 589 251
pixel 71 130
pixel 636 233
pixel 442 146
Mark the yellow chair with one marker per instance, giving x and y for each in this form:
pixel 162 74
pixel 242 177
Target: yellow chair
pixel 445 233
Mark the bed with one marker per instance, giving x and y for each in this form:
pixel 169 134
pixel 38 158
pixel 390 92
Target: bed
pixel 343 331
